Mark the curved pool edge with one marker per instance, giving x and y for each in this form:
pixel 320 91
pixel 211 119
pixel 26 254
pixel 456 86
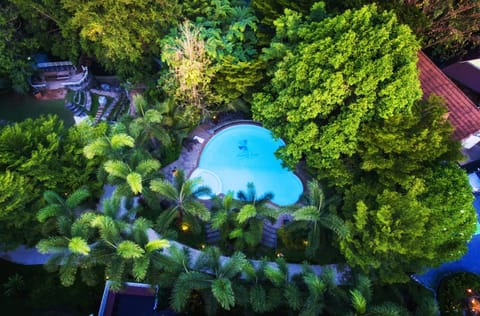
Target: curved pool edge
pixel 205 175
pixel 213 131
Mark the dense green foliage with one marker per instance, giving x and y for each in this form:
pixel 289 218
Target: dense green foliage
pixel 14 50
pixel 212 59
pixel 121 35
pixel 341 88
pixel 38 155
pixel 352 114
pixel 447 28
pixel 324 89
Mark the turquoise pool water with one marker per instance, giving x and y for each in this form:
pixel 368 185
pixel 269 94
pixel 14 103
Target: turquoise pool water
pixel 245 153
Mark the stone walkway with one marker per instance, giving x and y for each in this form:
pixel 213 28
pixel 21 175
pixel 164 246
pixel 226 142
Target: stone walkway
pixel 190 153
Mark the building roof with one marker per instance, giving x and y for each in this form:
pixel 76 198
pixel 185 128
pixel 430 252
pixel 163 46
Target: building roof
pixel 463 113
pixel 466 73
pixel 135 299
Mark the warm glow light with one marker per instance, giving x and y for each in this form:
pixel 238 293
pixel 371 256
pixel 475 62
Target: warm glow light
pixel 184 227
pixel 475 305
pixel 279 254
pixel 305 242
pixel 202 246
pixel 469 291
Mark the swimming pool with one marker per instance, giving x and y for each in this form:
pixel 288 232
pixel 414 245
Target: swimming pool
pixel 245 153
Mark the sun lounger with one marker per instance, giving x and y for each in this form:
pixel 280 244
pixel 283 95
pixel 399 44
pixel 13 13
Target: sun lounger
pixel 198 139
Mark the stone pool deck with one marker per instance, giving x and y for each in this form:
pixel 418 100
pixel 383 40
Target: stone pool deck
pixel 188 159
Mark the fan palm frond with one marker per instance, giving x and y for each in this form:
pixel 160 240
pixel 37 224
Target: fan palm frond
pixel 108 230
pixel 234 266
pixel 121 140
pixel 358 301
pixel 258 298
pixel 165 189
pixel 53 197
pixel 165 219
pixel 364 285
pixel 48 211
pixel 315 285
pixel 96 148
pixel 223 292
pixel 140 268
pixel 77 197
pixel 293 296
pixel 246 212
pixel 148 166
pixel 274 275
pixel 184 285
pixel 388 309
pixel 79 246
pixel 197 209
pixel 134 180
pixel 157 244
pixel 52 245
pixel 117 168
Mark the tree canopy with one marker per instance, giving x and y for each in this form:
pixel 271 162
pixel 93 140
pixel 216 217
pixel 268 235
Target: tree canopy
pixel 332 77
pixel 38 155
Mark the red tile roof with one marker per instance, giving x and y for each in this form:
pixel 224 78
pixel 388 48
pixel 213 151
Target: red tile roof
pixel 464 115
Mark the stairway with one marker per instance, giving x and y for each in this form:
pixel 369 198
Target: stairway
pixel 269 237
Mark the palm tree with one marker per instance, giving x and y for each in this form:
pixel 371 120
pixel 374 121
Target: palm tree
pixel 314 215
pixel 185 206
pixel 149 125
pixel 223 217
pixel 131 178
pixel 109 238
pixel 360 301
pixel 250 196
pixel 109 147
pixel 70 250
pixel 250 218
pixel 212 278
pixel 125 249
pixel 57 207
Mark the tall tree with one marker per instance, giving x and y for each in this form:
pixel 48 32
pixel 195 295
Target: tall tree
pixel 149 126
pixel 323 90
pixel 401 231
pixel 314 215
pixel 212 59
pixel 59 207
pixel 182 195
pixel 110 238
pixel 250 218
